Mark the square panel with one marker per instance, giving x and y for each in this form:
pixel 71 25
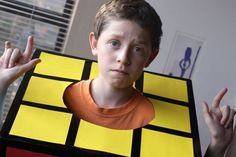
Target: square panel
pixel 46 91
pixel 167 87
pixel 59 66
pixel 172 116
pixel 41 124
pixel 91 136
pixel 165 145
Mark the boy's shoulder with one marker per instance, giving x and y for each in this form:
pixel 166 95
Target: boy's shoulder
pixel 75 90
pixel 75 86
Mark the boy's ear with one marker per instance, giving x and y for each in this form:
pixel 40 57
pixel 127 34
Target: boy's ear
pixel 152 57
pixel 93 43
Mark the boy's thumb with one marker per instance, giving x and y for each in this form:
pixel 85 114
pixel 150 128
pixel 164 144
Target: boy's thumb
pixel 206 114
pixel 31 64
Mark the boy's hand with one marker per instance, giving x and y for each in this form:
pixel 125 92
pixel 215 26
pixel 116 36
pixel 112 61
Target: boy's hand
pixel 220 124
pixel 13 63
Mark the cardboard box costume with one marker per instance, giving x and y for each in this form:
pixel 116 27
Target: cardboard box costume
pixel 40 125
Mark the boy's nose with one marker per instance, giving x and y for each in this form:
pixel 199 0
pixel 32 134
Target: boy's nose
pixel 123 57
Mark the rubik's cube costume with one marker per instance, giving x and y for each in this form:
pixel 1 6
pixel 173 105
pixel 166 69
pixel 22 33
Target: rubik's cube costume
pixel 40 125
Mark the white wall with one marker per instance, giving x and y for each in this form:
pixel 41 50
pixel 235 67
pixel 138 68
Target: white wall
pixel 77 44
pixel 212 20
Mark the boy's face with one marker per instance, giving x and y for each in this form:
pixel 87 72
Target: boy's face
pixel 123 50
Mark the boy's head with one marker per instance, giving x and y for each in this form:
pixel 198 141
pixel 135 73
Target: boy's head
pixel 138 11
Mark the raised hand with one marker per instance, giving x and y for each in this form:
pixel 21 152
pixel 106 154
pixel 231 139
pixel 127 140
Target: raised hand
pixel 14 63
pixel 219 120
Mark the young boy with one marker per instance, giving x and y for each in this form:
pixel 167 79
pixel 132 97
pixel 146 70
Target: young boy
pixel 126 39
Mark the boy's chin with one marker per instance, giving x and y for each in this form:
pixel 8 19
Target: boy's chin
pixel 121 84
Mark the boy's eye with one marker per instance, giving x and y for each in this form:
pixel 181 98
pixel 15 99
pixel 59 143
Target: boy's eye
pixel 114 43
pixel 139 50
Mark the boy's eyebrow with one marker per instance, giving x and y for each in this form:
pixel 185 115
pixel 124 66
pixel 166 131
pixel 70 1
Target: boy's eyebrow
pixel 118 35
pixel 141 41
pixel 121 35
pixel 144 42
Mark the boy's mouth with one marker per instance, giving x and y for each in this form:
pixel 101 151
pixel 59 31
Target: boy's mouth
pixel 121 72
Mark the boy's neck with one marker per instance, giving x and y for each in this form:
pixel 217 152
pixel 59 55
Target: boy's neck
pixel 106 96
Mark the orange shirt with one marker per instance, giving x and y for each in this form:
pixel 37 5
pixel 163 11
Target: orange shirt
pixel 137 112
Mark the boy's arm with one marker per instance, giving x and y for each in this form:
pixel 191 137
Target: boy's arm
pixel 220 124
pixel 13 64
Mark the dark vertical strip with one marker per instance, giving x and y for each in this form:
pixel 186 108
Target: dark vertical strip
pixel 71 136
pixel 137 133
pixel 3 148
pixel 136 142
pixel 36 53
pixel 86 70
pixel 193 121
pixel 139 82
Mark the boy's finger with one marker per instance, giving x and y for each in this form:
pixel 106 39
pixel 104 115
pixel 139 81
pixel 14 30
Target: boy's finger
pixel 26 67
pixel 210 118
pixel 29 47
pixel 16 54
pixel 7 56
pixel 206 113
pixel 218 98
pixel 225 115
pixel 229 122
pixel 7 45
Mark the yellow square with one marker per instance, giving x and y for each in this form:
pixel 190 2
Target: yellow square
pixel 41 124
pixel 99 138
pixel 165 87
pixel 171 116
pixel 159 144
pixel 60 66
pixel 94 71
pixel 46 91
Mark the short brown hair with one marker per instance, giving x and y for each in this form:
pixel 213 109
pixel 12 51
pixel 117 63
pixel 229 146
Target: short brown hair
pixel 138 11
